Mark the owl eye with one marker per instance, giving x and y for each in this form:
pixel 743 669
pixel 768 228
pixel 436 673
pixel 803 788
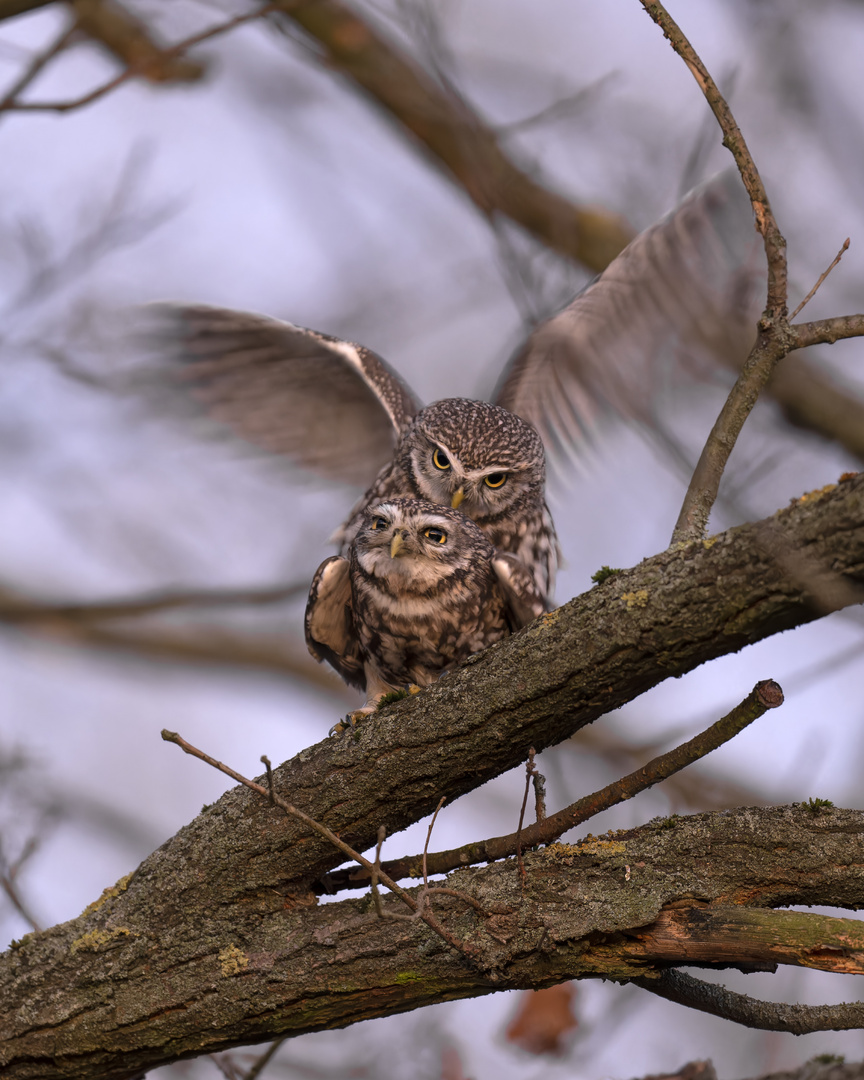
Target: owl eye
pixel 436 535
pixel 440 460
pixel 379 523
pixel 496 479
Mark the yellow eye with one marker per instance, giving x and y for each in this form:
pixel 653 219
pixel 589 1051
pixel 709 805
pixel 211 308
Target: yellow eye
pixel 379 523
pixel 435 534
pixel 440 460
pixel 496 479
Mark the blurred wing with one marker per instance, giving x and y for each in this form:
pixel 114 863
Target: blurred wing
pixel 328 405
pixel 524 602
pixel 328 623
pixel 683 298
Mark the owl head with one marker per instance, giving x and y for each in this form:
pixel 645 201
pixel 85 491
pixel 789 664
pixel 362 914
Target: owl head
pixel 473 455
pixel 413 546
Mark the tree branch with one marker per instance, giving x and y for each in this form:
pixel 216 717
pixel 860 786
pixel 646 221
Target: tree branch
pixel 827 331
pixel 683 989
pixel 139 980
pixel 216 933
pixel 456 137
pixel 765 695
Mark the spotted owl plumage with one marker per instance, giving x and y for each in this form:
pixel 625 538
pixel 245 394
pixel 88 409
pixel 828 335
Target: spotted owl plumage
pixel 483 460
pixel 420 590
pixel 679 299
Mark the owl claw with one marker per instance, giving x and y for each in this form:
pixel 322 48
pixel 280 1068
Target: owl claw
pixel 350 721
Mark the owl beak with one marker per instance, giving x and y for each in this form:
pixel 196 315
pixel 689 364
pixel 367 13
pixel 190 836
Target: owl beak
pixel 458 496
pixel 396 545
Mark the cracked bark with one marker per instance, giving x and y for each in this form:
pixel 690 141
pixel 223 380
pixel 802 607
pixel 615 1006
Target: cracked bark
pixel 214 941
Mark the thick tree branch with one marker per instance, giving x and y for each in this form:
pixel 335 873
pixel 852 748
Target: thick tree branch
pixel 765 695
pixel 659 620
pixel 128 985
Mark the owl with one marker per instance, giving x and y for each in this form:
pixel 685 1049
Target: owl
pixel 421 588
pixel 682 296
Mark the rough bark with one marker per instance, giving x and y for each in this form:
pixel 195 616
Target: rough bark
pixel 118 990
pixel 146 974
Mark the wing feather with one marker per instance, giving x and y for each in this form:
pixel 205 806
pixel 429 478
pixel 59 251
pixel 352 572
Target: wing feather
pixel 682 299
pixel 329 624
pixel 524 603
pixel 332 406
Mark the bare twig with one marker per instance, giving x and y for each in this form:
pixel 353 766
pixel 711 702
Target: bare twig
pixel 679 987
pixel 441 802
pixel 765 695
pixel 539 781
pixel 376 867
pixel 822 277
pixel 136 69
pixel 261 1063
pixel 265 761
pixel 131 41
pixel 529 772
pixel 37 64
pixel 827 331
pixel 773 341
pixel 7 883
pixel 316 826
pixel 776 338
pixel 733 140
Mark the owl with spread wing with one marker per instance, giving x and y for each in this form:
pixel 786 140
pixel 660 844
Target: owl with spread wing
pixel 684 295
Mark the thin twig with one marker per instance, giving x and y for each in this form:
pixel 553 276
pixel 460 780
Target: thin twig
pixel 733 140
pixel 465 897
pixel 265 761
pixel 37 65
pixel 539 781
pixel 765 695
pixel 133 70
pixel 258 1066
pixel 292 811
pixel 441 802
pixel 529 771
pixel 322 830
pixel 822 277
pixel 8 886
pixel 376 868
pixel 773 342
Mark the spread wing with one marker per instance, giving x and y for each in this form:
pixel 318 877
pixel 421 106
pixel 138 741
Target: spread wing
pixel 328 623
pixel 524 602
pixel 683 297
pixel 333 407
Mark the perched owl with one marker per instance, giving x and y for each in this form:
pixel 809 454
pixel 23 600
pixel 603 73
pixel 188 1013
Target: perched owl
pixel 684 296
pixel 486 462
pixel 421 590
